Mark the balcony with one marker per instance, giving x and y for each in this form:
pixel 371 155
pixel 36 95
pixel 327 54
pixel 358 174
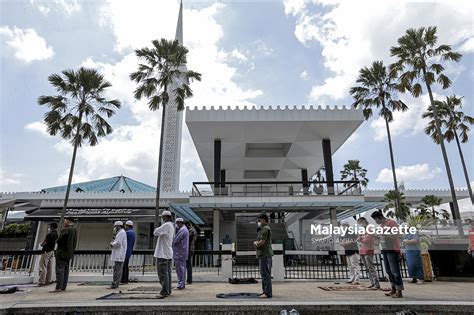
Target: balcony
pixel 276 189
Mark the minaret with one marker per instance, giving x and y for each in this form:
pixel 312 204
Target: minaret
pixel 173 131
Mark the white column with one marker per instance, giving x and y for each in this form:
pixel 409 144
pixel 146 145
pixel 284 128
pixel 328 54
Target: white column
pixel 216 233
pixel 278 267
pixel 227 261
pixel 36 246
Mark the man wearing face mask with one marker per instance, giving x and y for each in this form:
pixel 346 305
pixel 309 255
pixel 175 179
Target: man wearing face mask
pixel 263 244
pixel 119 250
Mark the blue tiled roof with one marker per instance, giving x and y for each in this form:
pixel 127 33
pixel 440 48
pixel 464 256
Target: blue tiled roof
pixel 117 183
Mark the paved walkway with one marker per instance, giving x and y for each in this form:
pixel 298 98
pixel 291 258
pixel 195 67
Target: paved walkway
pixel 298 294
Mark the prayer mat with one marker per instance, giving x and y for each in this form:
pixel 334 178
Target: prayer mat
pixel 244 295
pixel 129 296
pixel 350 288
pixel 155 289
pixel 96 283
pixel 242 280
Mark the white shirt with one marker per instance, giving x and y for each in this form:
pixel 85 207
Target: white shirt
pixel 164 243
pixel 119 246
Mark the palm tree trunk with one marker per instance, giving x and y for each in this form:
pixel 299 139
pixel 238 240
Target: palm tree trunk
pixel 158 181
pixel 435 219
pixel 466 175
pixel 71 172
pixel 445 158
pixel 392 160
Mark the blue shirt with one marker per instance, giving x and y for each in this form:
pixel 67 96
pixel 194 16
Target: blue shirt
pixel 130 242
pixel 412 237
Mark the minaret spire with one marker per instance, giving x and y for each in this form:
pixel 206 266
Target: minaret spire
pixel 179 26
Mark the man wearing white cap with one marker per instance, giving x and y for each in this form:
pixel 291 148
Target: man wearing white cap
pixel 349 242
pixel 164 253
pixel 180 252
pixel 130 243
pixel 119 250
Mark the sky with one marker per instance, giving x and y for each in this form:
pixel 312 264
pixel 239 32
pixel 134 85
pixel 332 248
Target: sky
pixel 250 53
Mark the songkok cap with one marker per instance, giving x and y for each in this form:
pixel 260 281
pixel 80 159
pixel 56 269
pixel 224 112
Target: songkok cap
pixel 118 223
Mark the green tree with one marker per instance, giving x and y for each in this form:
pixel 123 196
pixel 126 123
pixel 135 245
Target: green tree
pixel 419 62
pixel 455 124
pixel 378 89
pixel 433 201
pixel 354 172
pixel 161 77
pixel 393 197
pixel 79 112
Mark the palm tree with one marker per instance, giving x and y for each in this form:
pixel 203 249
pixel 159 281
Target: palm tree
pixel 418 62
pixel 433 201
pixel 453 120
pixel 79 112
pixel 377 90
pixel 163 77
pixel 354 172
pixel 393 197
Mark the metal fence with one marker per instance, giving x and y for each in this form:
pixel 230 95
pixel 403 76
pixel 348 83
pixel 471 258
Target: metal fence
pixel 22 263
pixel 317 265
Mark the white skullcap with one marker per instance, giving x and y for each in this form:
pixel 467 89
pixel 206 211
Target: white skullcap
pixel 130 223
pixel 118 223
pixel 179 220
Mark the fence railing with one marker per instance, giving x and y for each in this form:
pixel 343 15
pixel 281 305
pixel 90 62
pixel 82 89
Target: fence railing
pixel 274 188
pixel 317 265
pixel 22 263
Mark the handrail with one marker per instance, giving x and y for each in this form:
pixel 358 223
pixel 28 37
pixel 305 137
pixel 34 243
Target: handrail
pixel 278 182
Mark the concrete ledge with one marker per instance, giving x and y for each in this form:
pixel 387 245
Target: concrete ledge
pixel 237 307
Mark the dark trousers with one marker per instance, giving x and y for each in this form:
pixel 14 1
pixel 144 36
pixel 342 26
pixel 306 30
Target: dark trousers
pixel 62 274
pixel 125 271
pixel 189 268
pixel 265 264
pixel 391 261
pixel 164 275
pixel 118 267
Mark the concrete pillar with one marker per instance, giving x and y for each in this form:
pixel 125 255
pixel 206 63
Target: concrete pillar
pixel 217 162
pixel 278 267
pixel 304 179
pixel 36 246
pixel 227 261
pixel 333 221
pixel 216 233
pixel 327 155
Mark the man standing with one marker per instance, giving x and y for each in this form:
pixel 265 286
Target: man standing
pixel 180 252
pixel 164 253
pixel 263 244
pixel 130 244
pixel 119 250
pixel 47 254
pixel 391 254
pixel 470 247
pixel 349 242
pixel 67 242
pixel 189 261
pixel 366 252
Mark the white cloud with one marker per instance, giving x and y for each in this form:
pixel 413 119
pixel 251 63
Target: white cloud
pixel 262 48
pixel 37 126
pixel 408 173
pixel 66 6
pixel 238 55
pixel 406 123
pixel 77 177
pixel 304 75
pixel 467 46
pixel 350 42
pixel 26 44
pixel 9 181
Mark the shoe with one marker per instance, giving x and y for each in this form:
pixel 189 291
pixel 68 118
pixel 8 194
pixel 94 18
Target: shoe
pixel 350 281
pixel 112 288
pixel 56 291
pixel 264 296
pixel 413 280
pixel 161 296
pixel 390 293
pixel 189 282
pixel 397 295
pixel 355 283
pixel 371 286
